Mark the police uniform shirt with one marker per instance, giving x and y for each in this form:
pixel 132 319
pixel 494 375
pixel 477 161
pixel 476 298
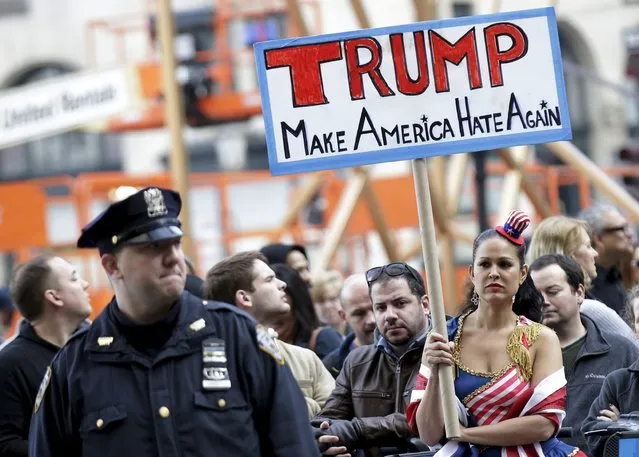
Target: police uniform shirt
pixel 146 339
pixel 23 362
pixel 217 388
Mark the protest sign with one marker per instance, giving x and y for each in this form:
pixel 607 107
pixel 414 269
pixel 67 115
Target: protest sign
pixel 65 103
pixel 410 91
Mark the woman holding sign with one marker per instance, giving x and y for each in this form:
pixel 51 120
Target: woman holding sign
pixel 509 377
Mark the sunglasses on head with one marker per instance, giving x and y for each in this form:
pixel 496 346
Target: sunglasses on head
pixel 392 269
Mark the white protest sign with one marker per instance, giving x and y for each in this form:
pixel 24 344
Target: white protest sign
pixel 65 103
pixel 410 91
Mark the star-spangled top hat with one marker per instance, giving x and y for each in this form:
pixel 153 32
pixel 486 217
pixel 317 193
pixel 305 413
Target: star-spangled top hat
pixel 147 216
pixel 514 226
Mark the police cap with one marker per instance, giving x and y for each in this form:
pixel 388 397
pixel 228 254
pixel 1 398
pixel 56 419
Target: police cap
pixel 149 215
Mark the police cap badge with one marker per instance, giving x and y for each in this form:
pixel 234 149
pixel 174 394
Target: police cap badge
pixel 147 216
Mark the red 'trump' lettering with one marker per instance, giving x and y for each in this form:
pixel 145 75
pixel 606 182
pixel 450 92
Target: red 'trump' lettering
pixel 496 57
pixel 356 71
pixel 304 64
pixel 444 51
pixel 405 84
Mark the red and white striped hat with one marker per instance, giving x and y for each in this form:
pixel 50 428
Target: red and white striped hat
pixel 517 222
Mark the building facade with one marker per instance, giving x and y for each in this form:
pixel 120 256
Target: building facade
pixel 44 39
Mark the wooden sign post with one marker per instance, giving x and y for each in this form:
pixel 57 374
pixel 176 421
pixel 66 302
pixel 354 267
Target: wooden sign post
pixel 436 296
pixel 410 92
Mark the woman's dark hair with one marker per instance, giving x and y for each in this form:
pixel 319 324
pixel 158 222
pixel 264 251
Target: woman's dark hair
pixel 302 304
pixel 528 301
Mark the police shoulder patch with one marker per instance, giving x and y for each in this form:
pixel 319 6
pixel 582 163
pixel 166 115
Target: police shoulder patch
pixel 267 343
pixel 43 388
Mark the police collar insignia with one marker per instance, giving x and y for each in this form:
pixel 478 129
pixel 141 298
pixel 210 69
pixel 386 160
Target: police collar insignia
pixel 268 344
pixel 43 388
pixel 198 325
pixel 154 199
pixel 105 341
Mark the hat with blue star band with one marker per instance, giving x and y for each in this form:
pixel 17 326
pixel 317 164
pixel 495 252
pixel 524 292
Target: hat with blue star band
pixel 147 216
pixel 517 222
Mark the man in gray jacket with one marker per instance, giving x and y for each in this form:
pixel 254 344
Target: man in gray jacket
pixel 587 352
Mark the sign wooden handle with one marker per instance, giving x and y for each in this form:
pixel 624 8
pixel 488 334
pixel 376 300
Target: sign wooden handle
pixel 175 120
pixel 436 299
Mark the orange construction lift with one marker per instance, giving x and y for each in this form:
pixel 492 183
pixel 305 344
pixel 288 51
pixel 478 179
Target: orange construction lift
pixel 214 50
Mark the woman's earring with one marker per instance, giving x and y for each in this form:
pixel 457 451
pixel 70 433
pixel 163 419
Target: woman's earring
pixel 475 299
pixel 514 299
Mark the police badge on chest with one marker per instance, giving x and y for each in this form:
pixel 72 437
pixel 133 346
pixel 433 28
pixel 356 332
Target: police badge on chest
pixel 215 374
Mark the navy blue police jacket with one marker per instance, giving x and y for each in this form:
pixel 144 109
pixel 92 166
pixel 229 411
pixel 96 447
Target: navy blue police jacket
pixel 100 397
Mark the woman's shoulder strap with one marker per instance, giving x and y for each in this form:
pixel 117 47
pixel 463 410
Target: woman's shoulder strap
pixel 530 330
pixel 523 336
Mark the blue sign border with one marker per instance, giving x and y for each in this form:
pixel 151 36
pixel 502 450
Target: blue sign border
pixel 423 150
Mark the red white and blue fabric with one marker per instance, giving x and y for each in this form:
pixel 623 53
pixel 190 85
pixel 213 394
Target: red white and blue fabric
pixel 517 222
pixel 507 397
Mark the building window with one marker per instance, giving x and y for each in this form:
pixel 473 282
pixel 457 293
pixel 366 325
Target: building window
pixel 461 9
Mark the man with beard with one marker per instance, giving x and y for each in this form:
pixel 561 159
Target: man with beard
pixel 358 308
pixel 161 372
pixel 245 280
pixel 588 353
pixel 367 408
pixel 53 300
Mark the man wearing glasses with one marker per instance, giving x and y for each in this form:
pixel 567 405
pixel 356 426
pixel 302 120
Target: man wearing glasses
pixel 367 408
pixel 612 239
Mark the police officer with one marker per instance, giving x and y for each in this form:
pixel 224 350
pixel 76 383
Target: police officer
pixel 161 372
pixel 53 301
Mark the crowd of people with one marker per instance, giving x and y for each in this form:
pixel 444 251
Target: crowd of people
pixel 262 358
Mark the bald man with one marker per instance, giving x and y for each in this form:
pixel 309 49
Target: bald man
pixel 358 307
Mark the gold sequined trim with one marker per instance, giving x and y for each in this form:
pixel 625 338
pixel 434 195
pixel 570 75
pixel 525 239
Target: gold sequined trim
pixel 518 353
pixel 457 353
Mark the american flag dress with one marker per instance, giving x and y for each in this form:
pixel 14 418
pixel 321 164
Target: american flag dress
pixel 484 399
